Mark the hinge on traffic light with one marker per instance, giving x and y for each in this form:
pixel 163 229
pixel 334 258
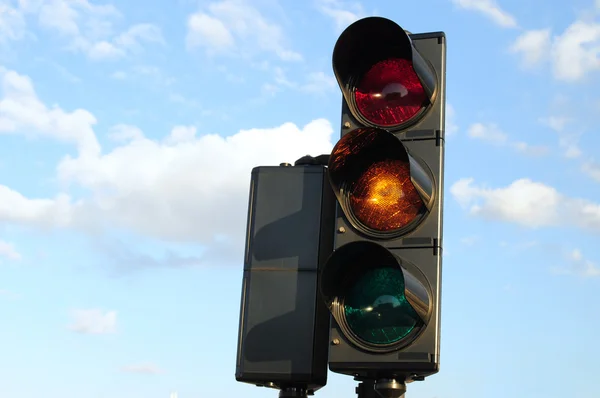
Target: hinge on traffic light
pixel 319 160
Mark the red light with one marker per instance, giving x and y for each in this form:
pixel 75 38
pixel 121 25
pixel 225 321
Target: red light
pixel 390 93
pixel 384 198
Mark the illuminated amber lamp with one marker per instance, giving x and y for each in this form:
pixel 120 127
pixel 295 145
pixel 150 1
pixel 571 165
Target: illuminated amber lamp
pixel 383 190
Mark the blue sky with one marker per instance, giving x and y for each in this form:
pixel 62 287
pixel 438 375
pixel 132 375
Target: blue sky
pixel 128 132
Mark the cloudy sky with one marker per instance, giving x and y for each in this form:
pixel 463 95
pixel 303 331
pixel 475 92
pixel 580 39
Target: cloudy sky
pixel 127 134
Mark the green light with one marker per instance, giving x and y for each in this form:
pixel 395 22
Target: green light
pixel 376 308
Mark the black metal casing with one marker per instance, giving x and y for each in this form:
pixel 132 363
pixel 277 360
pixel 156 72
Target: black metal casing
pixel 421 247
pixel 284 325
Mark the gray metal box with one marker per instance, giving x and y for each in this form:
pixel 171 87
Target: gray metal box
pixel 284 324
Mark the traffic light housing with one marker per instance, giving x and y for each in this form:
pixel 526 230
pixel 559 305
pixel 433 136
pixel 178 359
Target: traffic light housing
pixel 382 283
pixel 284 325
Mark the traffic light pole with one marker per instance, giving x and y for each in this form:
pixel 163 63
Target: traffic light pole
pixel 293 392
pixel 383 388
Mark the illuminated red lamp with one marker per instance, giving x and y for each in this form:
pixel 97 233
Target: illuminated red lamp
pixel 390 93
pixel 384 79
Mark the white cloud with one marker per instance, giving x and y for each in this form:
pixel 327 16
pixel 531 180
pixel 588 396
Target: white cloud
pixel 187 189
pixel 94 321
pixel 569 142
pixel 342 13
pixel 133 37
pixel 209 32
pixel 572 150
pixel 577 264
pixel 124 258
pixel 8 250
pixel 15 208
pixel 573 54
pixel 119 75
pixel 491 133
pixel 314 83
pixel 528 203
pixel 233 27
pixel 490 9
pixel 124 133
pixel 128 42
pixel 534 45
pixel 592 169
pixel 181 134
pixel 145 368
pixel 519 246
pixel 149 70
pixel 319 82
pixel 62 71
pixel 451 126
pixel 281 79
pixel 101 50
pixel 89 27
pixel 269 89
pixel 469 240
pixel 529 150
pixel 12 23
pixel 189 102
pixel 556 123
pixel 9 294
pixel 71 18
pixel 148 74
pixel 21 110
pixel 183 187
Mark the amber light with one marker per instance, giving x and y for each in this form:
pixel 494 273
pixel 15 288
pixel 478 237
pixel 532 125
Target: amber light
pixel 384 199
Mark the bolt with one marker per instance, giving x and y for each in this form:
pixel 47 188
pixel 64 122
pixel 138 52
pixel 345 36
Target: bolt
pixel 341 230
pixel 346 125
pixel 336 341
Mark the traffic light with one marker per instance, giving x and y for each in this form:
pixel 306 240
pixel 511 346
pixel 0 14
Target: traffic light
pixel 382 282
pixel 284 325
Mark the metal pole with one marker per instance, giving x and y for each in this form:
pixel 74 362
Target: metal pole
pixel 381 388
pixel 293 392
pixel 366 389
